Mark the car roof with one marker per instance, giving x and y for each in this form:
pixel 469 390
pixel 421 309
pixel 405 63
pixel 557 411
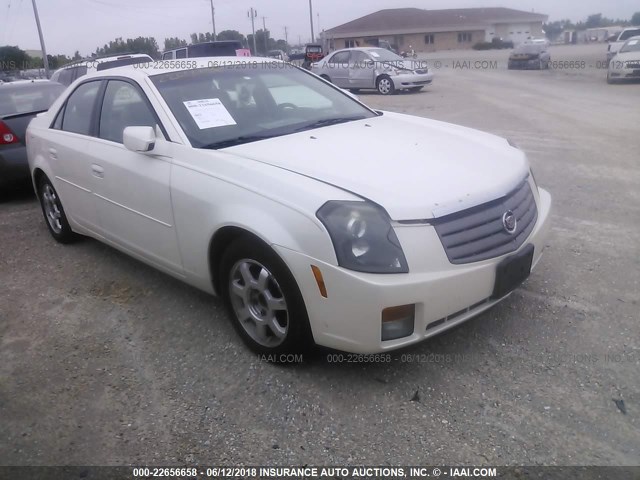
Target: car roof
pixel 143 70
pixel 24 84
pixel 98 60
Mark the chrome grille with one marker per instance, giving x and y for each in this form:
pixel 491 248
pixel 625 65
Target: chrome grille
pixel 478 233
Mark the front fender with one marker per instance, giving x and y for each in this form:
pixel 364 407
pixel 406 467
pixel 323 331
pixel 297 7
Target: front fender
pixel 205 205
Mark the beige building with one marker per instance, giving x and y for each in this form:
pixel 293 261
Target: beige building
pixel 431 30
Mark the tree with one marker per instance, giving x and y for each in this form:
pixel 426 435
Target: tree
pixel 230 35
pixel 146 45
pixel 201 37
pixel 173 43
pixel 635 19
pixel 13 58
pixel 55 61
pixel 76 56
pixel 553 30
pixel 594 21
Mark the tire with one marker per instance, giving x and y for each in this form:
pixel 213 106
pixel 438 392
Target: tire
pixel 385 85
pixel 54 214
pixel 264 302
pixel 610 80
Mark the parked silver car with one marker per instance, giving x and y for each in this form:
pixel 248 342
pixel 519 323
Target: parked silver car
pixel 529 56
pixel 373 68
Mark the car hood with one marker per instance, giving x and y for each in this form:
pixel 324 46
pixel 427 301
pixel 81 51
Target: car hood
pixel 413 167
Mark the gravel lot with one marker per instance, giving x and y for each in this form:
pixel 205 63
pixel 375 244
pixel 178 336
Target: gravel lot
pixel 104 361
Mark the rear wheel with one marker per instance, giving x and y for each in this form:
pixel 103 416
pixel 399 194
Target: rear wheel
pixel 54 213
pixel 385 85
pixel 265 303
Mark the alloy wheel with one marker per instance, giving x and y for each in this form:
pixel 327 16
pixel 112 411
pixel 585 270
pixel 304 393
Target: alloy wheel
pixel 52 208
pixel 258 303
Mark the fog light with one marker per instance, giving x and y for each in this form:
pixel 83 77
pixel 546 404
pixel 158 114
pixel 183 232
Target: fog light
pixel 398 322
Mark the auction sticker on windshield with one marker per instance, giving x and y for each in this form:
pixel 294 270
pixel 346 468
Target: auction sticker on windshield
pixel 209 113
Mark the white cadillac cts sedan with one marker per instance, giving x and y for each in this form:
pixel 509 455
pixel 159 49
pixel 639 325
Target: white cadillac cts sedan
pixel 314 217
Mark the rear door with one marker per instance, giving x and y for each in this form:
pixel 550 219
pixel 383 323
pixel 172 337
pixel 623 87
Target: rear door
pixel 338 66
pixel 66 144
pixel 361 71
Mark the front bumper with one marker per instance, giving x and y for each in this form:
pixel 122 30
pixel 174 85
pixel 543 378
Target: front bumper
pixel 624 73
pixel 349 319
pixel 534 64
pixel 411 80
pixel 14 167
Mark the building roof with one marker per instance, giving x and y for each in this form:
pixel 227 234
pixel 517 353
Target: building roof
pixel 417 19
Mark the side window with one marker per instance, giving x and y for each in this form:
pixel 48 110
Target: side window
pixel 123 106
pixel 359 59
pixel 182 53
pixel 167 56
pixel 57 124
pixel 80 71
pixel 66 76
pixel 79 108
pixel 340 58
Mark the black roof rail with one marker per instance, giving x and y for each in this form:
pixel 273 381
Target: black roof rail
pixel 100 57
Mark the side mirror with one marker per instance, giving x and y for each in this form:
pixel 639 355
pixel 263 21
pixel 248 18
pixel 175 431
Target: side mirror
pixel 139 139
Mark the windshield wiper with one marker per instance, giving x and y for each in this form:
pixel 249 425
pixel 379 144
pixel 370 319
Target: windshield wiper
pixel 327 122
pixel 236 141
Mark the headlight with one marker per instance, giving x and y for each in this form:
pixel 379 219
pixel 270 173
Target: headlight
pixel 362 237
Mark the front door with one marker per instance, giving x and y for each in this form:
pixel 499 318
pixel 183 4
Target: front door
pixel 133 189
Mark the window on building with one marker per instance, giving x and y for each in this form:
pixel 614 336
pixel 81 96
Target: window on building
pixel 429 39
pixel 350 44
pixel 464 37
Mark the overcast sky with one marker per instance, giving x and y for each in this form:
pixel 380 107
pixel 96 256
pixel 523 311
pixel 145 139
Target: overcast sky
pixel 83 25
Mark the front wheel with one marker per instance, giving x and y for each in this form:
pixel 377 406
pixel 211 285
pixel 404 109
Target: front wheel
pixel 385 85
pixel 54 213
pixel 265 303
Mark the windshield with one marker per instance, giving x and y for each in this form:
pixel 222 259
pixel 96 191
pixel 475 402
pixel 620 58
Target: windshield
pixel 528 48
pixel 628 34
pixel 631 46
pixel 26 98
pixel 226 106
pixel 382 55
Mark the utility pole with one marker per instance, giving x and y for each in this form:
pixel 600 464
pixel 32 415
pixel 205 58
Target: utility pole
pixel 266 36
pixel 213 20
pixel 313 37
pixel 286 38
pixel 44 50
pixel 252 14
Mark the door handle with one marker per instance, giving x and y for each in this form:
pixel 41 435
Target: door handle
pixel 97 171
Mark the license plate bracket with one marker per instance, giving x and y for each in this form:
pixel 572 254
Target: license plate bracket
pixel 512 271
